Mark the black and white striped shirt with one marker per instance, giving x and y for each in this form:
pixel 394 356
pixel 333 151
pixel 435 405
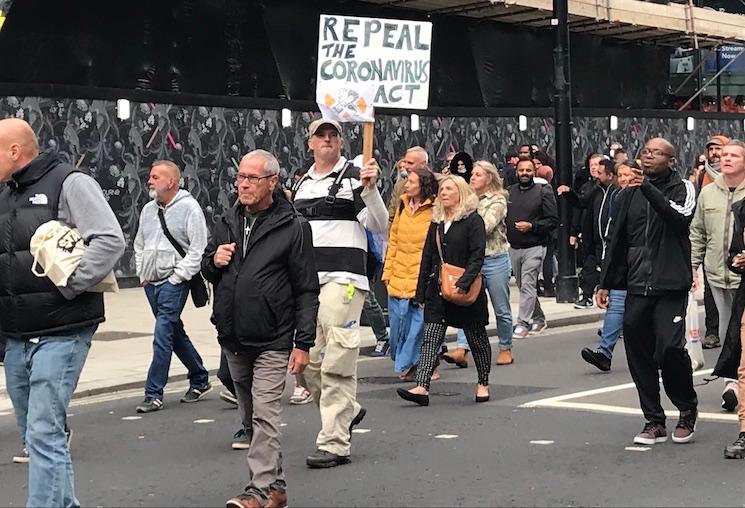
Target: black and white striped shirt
pixel 340 244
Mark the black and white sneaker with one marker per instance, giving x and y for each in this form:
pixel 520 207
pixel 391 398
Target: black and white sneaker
pixel 196 394
pixel 149 405
pixel 729 397
pixel 737 449
pixel 241 440
pixel 596 358
pixel 381 349
pixel 583 303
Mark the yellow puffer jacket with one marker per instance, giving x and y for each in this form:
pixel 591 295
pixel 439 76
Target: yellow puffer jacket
pixel 405 246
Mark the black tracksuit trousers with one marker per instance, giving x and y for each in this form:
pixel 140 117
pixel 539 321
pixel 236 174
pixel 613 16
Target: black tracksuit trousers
pixel 654 337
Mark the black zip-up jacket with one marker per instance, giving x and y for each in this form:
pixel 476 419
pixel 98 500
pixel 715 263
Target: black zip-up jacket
pixel 269 297
pixel 649 251
pixel 597 201
pixel 535 204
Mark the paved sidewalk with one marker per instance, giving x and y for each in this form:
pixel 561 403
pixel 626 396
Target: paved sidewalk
pixel 122 347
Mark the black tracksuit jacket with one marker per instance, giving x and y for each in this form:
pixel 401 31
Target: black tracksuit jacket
pixel 649 251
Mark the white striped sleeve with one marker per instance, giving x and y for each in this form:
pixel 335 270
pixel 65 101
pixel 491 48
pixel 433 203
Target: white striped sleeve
pixel 689 203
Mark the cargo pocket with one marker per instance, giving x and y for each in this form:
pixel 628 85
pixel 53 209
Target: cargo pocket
pixel 342 350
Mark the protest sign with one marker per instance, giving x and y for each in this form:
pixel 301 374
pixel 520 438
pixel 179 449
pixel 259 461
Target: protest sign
pixel 391 56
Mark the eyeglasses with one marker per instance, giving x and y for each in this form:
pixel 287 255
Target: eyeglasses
pixel 251 179
pixel 654 153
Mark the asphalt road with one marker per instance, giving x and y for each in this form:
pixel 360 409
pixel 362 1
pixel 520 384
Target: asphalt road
pixel 566 452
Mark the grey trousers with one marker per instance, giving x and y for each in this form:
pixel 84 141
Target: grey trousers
pixel 259 382
pixel 526 264
pixel 723 299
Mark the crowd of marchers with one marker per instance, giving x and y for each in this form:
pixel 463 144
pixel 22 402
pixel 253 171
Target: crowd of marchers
pixel 293 268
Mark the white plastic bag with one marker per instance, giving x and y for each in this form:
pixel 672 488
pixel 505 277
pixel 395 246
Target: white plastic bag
pixel 693 334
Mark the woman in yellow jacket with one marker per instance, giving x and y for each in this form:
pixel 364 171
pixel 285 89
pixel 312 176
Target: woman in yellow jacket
pixel 401 270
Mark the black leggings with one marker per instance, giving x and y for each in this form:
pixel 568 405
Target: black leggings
pixel 434 336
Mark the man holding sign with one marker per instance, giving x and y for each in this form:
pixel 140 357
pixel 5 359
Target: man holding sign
pixel 340 201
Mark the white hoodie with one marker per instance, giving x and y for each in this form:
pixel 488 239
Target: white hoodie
pixel 156 259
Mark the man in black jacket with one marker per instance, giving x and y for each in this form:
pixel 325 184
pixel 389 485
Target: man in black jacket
pixel 650 256
pixel 531 217
pixel 595 201
pixel 260 260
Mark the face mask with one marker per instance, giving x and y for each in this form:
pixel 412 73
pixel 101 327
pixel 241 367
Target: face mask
pixel 404 173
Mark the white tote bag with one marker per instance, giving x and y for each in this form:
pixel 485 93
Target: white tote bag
pixel 57 249
pixel 693 334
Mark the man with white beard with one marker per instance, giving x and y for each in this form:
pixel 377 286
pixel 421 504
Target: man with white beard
pixel 165 275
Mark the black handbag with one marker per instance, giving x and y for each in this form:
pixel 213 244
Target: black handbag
pixel 198 287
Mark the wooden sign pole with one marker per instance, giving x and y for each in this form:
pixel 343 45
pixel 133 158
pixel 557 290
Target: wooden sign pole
pixel 367 141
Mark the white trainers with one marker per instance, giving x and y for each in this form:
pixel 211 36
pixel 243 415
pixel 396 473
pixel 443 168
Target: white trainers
pixel 300 396
pixel 520 332
pixel 21 458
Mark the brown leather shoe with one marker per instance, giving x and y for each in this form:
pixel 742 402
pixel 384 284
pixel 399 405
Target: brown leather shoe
pixel 277 499
pixel 457 356
pixel 505 357
pixel 244 501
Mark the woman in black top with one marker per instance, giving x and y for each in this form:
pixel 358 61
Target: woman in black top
pixel 463 239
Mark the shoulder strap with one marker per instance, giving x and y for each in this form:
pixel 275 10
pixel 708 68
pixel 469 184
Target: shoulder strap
pixel 334 189
pixel 168 234
pixel 300 182
pixel 439 243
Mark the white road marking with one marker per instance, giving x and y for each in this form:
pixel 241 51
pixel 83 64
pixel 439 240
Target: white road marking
pixel 542 442
pixel 562 402
pixel 131 418
pixel 446 436
pixel 204 420
pixel 637 448
pixel 360 431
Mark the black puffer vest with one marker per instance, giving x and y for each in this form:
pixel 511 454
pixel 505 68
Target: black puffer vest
pixel 32 306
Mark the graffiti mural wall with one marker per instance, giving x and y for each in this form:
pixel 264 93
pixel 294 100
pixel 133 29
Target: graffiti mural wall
pixel 208 142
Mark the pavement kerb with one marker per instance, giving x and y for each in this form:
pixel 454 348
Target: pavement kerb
pixel 578 319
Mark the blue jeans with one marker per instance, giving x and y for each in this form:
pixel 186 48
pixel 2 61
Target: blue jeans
pixel 497 270
pixel 613 322
pixel 167 302
pixel 41 377
pixel 407 328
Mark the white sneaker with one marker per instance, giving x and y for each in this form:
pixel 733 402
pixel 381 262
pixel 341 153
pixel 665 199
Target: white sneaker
pixel 300 396
pixel 21 458
pixel 520 332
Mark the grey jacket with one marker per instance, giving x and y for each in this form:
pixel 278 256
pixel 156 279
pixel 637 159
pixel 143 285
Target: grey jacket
pixel 155 258
pixel 711 232
pixel 83 206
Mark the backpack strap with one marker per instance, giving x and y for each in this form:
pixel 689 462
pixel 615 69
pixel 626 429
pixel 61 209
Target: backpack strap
pixel 334 189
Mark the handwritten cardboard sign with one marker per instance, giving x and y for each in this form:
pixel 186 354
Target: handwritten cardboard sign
pixel 392 56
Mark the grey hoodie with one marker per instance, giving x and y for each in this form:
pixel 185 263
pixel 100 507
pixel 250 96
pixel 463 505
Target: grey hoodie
pixel 156 259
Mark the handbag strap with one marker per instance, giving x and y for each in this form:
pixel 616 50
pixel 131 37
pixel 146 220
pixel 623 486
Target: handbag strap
pixel 438 241
pixel 168 234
